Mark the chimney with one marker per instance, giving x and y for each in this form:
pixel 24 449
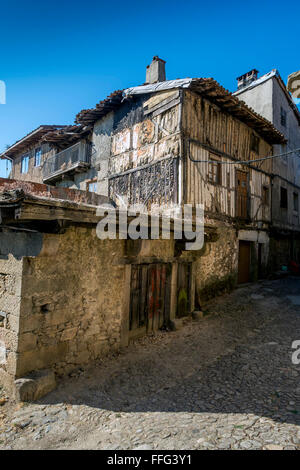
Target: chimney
pixel 247 78
pixel 156 72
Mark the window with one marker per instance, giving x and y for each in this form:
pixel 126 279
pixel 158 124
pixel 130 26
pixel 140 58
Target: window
pixel 265 195
pixel 38 157
pixel 283 117
pixel 296 202
pixel 214 172
pixel 25 164
pixel 254 143
pixel 283 198
pixel 91 186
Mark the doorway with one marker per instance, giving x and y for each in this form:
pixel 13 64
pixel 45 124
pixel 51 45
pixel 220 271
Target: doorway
pixel 244 262
pixel 183 289
pixel 150 297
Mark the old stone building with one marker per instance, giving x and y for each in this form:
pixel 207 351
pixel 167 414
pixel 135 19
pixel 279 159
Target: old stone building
pixel 269 97
pixel 29 154
pixel 67 297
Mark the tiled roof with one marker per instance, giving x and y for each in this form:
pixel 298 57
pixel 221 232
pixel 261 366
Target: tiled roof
pixel 206 87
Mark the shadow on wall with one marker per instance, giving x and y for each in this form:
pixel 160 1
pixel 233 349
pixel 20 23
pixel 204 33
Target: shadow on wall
pixel 19 244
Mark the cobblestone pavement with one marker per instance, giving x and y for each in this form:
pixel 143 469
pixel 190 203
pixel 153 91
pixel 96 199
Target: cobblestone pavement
pixel 224 382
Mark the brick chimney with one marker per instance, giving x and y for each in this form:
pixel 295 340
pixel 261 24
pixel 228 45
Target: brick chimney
pixel 156 72
pixel 247 78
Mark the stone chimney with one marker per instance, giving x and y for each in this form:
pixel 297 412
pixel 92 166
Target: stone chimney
pixel 293 84
pixel 247 78
pixel 156 71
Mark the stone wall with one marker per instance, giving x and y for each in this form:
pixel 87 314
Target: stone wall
pixel 216 270
pixel 66 296
pixel 10 295
pixel 14 245
pixel 72 301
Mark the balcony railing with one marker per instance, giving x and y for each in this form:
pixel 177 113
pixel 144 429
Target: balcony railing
pixel 71 160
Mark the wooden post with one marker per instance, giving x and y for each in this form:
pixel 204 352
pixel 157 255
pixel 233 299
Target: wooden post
pixel 173 303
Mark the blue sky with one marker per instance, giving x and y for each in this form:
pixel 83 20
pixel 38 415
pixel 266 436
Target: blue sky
pixel 60 57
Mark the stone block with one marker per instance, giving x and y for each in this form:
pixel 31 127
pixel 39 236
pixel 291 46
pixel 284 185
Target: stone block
pixel 197 315
pixel 68 334
pixel 176 324
pixel 25 389
pixel 35 385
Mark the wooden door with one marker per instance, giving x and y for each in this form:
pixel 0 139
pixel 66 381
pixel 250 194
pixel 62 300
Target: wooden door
pixel 241 194
pixel 183 289
pixel 244 262
pixel 259 261
pixel 150 296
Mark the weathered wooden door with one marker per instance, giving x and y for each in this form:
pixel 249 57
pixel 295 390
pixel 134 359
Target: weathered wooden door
pixel 183 289
pixel 259 261
pixel 244 262
pixel 150 296
pixel 241 194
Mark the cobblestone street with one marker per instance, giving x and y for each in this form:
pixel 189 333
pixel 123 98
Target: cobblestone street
pixel 226 381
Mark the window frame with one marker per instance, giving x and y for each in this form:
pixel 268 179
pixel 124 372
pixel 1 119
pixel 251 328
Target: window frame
pixel 40 157
pixel 92 181
pixel 266 195
pixel 215 163
pixel 24 158
pixel 283 200
pixel 295 198
pixel 254 143
pixel 283 117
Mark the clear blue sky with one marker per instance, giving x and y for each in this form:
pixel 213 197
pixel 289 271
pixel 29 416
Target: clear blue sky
pixel 62 56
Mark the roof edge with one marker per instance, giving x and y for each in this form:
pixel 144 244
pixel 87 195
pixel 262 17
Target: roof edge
pixel 43 127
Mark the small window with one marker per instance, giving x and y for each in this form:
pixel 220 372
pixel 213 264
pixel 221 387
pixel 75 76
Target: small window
pixel 254 143
pixel 283 117
pixel 283 198
pixel 38 157
pixel 91 186
pixel 296 202
pixel 265 195
pixel 214 172
pixel 25 164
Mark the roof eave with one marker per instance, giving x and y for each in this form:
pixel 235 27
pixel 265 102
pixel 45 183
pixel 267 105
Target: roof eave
pixel 9 152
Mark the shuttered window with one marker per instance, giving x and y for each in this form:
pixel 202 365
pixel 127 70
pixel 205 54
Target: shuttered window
pixel 214 172
pixel 25 164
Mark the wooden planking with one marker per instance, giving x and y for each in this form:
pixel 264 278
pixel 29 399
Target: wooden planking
pixel 200 191
pixel 150 296
pixel 203 122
